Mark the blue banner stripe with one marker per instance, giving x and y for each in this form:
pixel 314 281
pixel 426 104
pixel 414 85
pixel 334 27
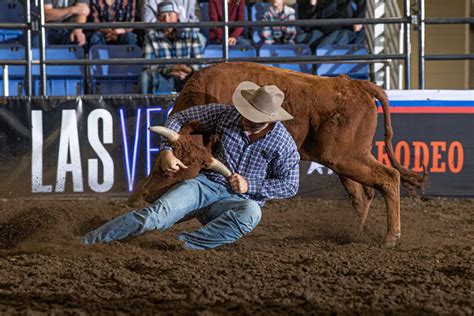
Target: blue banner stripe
pixel 446 103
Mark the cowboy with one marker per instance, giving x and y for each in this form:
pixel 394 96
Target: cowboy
pixel 255 146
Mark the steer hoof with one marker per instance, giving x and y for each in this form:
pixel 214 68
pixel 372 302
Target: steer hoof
pixel 391 240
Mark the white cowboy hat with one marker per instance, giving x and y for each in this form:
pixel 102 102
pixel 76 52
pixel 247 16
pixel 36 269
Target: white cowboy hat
pixel 260 104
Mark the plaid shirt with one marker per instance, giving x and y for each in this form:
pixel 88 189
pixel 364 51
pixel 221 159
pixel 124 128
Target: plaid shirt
pixel 279 34
pixel 270 165
pixel 184 44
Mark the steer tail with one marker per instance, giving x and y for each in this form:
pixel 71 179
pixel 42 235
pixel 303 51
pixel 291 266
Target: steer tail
pixel 410 180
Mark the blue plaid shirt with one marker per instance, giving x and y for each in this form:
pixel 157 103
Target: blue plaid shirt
pixel 184 44
pixel 270 165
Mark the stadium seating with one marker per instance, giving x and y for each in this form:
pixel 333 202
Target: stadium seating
pixel 287 50
pixel 16 74
pixel 256 14
pixel 61 79
pixel 10 12
pixel 114 79
pixel 353 70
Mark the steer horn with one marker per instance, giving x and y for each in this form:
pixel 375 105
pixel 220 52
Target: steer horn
pixel 171 135
pixel 217 166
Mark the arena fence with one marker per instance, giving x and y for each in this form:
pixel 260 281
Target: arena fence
pixel 415 19
pixel 90 145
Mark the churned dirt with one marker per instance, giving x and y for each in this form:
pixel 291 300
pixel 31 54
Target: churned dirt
pixel 302 258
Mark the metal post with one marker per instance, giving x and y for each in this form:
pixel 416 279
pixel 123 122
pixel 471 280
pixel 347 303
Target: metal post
pixel 421 44
pixel 407 47
pixel 388 75
pixel 28 55
pixel 5 81
pixel 225 35
pixel 42 50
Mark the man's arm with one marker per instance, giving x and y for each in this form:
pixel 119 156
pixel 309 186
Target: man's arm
pixel 266 33
pixel 196 50
pixel 240 17
pixel 52 14
pixel 207 115
pixel 77 35
pixel 285 176
pixel 289 32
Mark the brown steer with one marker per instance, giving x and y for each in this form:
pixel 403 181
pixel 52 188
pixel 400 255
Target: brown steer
pixel 335 121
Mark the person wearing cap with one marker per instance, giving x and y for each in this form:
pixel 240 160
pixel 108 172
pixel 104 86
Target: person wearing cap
pixel 169 43
pixel 255 146
pixel 189 11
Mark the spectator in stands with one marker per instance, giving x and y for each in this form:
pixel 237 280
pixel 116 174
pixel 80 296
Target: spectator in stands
pixel 74 11
pixel 355 34
pixel 329 9
pixel 189 12
pixel 113 11
pixel 278 11
pixel 236 13
pixel 169 43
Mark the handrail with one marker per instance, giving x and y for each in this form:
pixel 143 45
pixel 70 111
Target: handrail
pixel 206 24
pixel 141 61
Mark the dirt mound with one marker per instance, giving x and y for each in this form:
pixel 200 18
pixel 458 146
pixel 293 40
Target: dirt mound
pixel 302 258
pixel 33 225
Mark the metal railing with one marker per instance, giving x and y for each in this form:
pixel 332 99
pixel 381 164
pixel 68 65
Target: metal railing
pixel 420 24
pixel 407 20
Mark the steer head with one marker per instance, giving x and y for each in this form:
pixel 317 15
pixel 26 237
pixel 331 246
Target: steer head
pixel 187 147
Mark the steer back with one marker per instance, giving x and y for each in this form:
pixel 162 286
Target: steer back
pixel 318 104
pixel 190 149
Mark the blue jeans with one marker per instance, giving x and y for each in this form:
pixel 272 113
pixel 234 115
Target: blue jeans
pixel 226 216
pixel 98 38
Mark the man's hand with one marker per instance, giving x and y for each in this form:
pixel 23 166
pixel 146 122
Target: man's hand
pixel 111 36
pixel 238 183
pixel 313 2
pixel 77 36
pixel 181 71
pixel 170 163
pixel 357 27
pixel 232 41
pixel 80 9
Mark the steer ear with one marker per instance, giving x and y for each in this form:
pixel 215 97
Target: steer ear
pixel 171 135
pixel 219 167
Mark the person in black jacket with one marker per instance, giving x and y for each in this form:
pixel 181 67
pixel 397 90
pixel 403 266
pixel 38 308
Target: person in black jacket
pixel 331 34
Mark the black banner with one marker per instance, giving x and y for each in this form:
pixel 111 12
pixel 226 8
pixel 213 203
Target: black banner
pixel 101 145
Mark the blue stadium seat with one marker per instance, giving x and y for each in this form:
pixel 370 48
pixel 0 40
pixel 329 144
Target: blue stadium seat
pixel 287 50
pixel 10 12
pixel 236 51
pixel 256 14
pixel 61 79
pixel 353 70
pixel 16 74
pixel 115 79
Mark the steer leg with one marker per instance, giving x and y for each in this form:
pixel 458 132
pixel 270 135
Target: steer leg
pixel 369 172
pixel 361 197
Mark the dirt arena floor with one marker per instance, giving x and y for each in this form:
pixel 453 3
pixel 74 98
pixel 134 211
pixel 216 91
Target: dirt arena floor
pixel 302 258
